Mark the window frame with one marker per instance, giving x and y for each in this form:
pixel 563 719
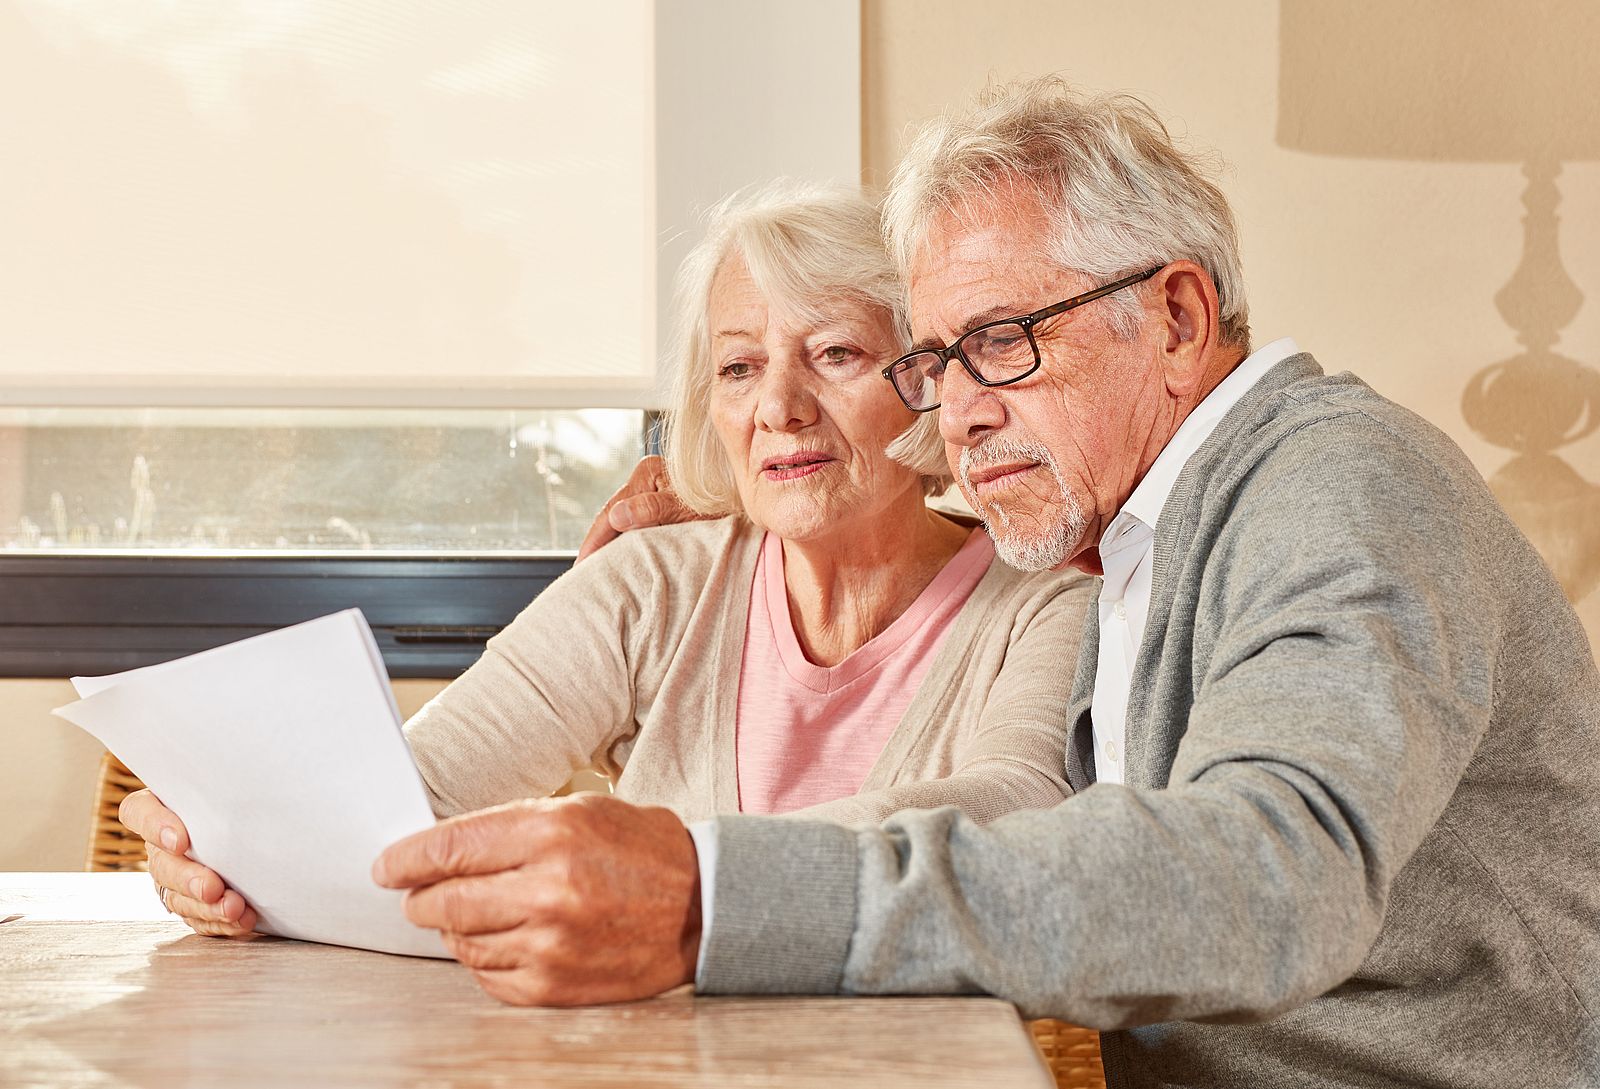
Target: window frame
pixel 85 615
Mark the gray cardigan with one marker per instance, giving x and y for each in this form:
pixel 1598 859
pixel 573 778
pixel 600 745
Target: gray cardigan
pixel 1359 842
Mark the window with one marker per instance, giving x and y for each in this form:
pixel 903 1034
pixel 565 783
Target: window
pixel 242 481
pixel 383 281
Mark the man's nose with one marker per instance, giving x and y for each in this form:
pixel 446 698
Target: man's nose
pixel 967 410
pixel 786 401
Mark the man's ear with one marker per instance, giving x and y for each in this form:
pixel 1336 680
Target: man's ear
pixel 1188 304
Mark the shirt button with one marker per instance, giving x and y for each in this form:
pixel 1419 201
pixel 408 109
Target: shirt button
pixel 1120 611
pixel 1111 750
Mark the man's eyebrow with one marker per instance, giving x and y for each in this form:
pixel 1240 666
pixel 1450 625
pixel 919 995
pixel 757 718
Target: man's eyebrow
pixel 994 313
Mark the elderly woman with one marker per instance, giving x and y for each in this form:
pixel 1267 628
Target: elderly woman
pixel 829 645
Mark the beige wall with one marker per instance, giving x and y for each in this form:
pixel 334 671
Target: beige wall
pixel 1381 249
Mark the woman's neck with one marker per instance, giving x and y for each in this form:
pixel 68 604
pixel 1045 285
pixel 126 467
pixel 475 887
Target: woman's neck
pixel 849 587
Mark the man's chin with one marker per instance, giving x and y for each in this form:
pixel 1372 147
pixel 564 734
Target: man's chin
pixel 1030 553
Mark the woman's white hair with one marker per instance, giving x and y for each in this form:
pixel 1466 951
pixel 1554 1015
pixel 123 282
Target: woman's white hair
pixel 809 247
pixel 1118 195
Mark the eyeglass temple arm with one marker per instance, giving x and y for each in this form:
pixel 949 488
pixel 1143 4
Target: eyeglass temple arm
pixel 1090 296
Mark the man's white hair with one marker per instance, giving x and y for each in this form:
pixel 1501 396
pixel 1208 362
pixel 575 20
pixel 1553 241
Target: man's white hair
pixel 808 247
pixel 1119 196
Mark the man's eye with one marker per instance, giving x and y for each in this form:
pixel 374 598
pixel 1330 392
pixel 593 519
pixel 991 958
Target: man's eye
pixel 1001 340
pixel 838 353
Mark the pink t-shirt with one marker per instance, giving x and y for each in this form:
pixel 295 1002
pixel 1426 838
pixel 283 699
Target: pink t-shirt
pixel 808 734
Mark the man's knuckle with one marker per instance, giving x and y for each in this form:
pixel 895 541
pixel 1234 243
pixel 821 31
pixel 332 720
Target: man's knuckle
pixel 500 986
pixel 565 953
pixel 449 847
pixel 526 987
pixel 454 907
pixel 467 949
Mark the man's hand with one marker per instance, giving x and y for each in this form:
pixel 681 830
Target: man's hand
pixel 193 892
pixel 560 901
pixel 646 499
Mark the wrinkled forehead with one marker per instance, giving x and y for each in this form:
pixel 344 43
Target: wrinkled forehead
pixel 987 263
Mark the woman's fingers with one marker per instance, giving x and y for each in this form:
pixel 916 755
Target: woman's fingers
pixel 228 917
pixel 143 814
pixel 195 892
pixel 199 896
pixel 184 875
pixel 226 910
pixel 645 499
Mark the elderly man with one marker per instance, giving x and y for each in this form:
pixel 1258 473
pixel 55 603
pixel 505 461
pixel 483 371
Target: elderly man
pixel 1337 731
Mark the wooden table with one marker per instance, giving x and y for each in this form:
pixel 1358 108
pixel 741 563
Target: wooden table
pixel 99 987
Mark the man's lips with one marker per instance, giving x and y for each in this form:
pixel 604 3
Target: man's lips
pixel 998 476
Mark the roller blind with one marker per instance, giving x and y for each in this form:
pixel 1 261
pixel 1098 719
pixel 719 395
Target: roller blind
pixel 401 203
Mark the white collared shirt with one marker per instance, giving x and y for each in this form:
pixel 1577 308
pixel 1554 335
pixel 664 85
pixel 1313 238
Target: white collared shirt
pixel 1125 549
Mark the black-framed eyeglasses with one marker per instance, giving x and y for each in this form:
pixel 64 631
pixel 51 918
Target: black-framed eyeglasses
pixel 996 353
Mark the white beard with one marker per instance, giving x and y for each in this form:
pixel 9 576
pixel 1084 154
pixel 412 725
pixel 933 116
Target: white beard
pixel 1037 551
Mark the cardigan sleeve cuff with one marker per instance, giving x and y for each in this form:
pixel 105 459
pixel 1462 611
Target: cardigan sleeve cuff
pixel 785 907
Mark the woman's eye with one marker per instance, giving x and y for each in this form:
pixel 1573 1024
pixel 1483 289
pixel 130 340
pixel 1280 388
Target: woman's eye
pixel 737 369
pixel 838 353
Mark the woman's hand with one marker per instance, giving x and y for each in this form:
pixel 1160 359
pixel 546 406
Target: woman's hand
pixel 646 499
pixel 189 890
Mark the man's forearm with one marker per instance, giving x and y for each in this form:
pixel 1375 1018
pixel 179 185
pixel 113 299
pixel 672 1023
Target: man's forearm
pixel 1146 925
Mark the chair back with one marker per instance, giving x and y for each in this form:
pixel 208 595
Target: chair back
pixel 111 846
pixel 1071 1052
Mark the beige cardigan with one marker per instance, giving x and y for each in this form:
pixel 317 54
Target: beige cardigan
pixel 630 663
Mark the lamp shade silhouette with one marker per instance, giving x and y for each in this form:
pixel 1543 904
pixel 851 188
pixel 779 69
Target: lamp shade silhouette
pixel 1478 81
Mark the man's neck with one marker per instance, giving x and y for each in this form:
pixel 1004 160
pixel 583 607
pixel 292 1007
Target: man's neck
pixel 1164 426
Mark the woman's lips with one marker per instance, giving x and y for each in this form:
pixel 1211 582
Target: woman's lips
pixel 794 466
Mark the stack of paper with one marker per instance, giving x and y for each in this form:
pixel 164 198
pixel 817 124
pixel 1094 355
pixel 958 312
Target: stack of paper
pixel 283 756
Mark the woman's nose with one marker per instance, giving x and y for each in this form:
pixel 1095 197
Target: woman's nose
pixel 786 401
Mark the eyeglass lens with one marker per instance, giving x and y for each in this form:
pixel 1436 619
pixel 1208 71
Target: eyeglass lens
pixel 995 352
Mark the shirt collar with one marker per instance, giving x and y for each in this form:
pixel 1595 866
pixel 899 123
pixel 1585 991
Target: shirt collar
pixel 1151 494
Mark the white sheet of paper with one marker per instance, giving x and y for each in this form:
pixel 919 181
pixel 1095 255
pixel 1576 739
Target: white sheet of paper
pixel 284 757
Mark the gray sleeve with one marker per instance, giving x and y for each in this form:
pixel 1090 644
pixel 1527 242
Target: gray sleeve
pixel 1344 695
pixel 789 936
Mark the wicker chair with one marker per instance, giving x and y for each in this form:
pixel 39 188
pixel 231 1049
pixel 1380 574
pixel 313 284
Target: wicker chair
pixel 111 846
pixel 1072 1054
